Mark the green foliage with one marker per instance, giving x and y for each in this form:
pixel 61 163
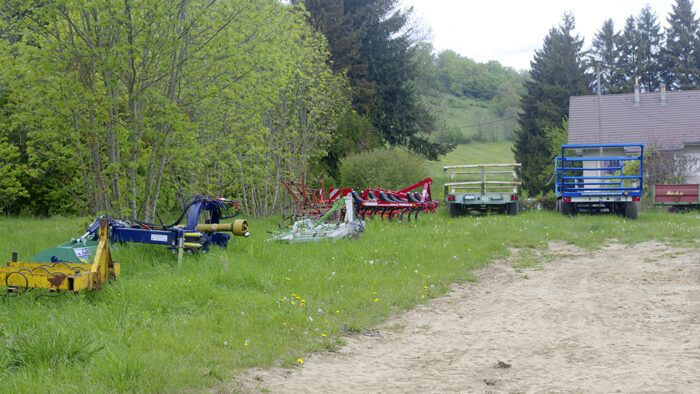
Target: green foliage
pixel 648 46
pixel 557 136
pixel 473 101
pixel 355 133
pixel 604 56
pixel 11 188
pixel 375 45
pixel 682 49
pixel 131 107
pixel 386 168
pixel 641 50
pixel 558 72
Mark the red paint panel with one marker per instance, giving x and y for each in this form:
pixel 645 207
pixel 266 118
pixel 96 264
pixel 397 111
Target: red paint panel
pixel 676 193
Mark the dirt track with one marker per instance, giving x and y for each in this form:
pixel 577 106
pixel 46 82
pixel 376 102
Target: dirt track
pixel 618 319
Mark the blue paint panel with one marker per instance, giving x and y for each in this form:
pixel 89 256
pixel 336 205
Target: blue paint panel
pixel 156 237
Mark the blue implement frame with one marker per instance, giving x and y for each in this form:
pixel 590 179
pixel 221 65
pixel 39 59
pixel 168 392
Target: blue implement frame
pixel 599 188
pixel 176 235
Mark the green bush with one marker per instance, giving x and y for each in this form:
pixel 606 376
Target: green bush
pixel 391 169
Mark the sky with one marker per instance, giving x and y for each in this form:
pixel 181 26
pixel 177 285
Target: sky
pixel 511 30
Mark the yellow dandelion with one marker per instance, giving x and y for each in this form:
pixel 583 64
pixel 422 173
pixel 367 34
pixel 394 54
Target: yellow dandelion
pixel 469 250
pixel 245 344
pixel 422 296
pixel 294 295
pixel 281 299
pixel 323 335
pixel 425 287
pixel 300 361
pixel 293 302
pixel 287 278
pixel 189 280
pixel 376 299
pixel 337 311
pixel 302 300
pixel 284 324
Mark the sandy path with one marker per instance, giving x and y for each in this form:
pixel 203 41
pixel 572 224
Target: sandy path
pixel 620 318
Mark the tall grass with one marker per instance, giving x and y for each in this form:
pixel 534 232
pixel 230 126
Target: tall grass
pixel 160 327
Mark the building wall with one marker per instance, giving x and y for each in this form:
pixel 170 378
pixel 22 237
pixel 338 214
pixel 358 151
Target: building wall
pixel 597 164
pixel 694 151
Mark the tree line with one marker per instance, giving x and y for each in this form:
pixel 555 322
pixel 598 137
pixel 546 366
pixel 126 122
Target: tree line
pixel 562 68
pixel 130 107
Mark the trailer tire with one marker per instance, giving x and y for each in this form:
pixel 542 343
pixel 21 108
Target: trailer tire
pixel 567 208
pixel 455 209
pixel 512 208
pixel 631 210
pixel 557 206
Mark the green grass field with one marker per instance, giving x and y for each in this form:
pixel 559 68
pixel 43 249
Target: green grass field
pixel 162 328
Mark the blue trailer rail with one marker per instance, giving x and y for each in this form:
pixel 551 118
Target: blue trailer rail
pixel 602 187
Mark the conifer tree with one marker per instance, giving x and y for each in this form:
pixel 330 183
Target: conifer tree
pixel 604 54
pixel 681 69
pixel 557 72
pixel 627 64
pixel 649 46
pixel 386 46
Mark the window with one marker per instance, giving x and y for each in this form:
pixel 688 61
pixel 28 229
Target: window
pixel 613 167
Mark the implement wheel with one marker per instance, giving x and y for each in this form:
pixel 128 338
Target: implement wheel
pixel 455 209
pixel 567 208
pixel 631 210
pixel 512 208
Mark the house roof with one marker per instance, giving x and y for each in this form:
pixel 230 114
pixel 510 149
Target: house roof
pixel 666 127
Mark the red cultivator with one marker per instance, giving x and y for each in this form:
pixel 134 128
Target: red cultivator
pixel 391 204
pixel 314 203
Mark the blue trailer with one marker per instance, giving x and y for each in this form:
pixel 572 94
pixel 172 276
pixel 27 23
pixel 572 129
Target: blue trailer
pixel 596 184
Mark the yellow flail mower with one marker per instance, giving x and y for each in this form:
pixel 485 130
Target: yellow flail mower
pixel 62 275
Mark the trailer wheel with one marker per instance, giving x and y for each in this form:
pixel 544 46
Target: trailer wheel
pixel 631 210
pixel 567 208
pixel 512 208
pixel 455 209
pixel 557 206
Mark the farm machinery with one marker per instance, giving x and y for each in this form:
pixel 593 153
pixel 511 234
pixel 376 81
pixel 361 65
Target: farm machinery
pixel 597 184
pixel 314 203
pixel 63 275
pixel 340 213
pixel 67 266
pixel 677 197
pixel 483 188
pixel 320 228
pixel 395 204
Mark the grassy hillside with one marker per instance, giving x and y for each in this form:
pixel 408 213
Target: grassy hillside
pixel 463 119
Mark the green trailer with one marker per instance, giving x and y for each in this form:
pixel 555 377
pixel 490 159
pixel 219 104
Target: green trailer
pixel 482 188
